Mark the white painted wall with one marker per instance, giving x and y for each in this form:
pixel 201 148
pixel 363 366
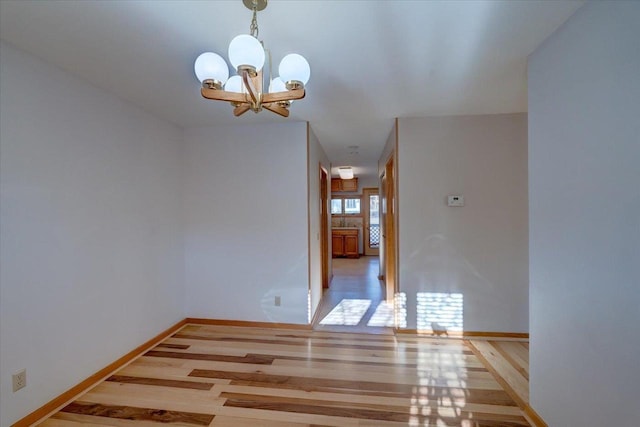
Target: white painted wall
pixel 481 249
pixel 90 230
pixel 367 182
pixel 245 201
pixel 584 174
pixel 317 157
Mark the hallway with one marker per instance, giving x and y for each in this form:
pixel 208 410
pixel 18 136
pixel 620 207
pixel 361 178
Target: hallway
pixel 354 301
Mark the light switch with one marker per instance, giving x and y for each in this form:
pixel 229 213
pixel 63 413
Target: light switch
pixel 455 201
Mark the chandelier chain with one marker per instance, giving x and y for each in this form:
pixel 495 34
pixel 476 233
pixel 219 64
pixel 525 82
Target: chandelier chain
pixel 254 20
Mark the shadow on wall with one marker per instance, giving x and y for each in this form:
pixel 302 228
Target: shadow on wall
pixel 439 277
pixel 434 279
pixel 436 312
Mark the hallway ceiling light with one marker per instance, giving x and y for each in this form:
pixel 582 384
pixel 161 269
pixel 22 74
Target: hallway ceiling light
pixel 345 172
pixel 245 91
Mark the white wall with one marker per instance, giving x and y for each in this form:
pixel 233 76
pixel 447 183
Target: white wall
pixel 368 182
pixel 317 157
pixel 91 239
pixel 245 201
pixel 584 174
pixel 479 250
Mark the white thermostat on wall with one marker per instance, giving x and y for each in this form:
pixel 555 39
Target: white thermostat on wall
pixel 455 201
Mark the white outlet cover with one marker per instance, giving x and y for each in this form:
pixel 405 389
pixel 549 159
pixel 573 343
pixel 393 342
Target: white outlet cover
pixel 19 380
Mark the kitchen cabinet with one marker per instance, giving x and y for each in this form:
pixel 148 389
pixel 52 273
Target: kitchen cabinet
pixel 338 185
pixel 344 243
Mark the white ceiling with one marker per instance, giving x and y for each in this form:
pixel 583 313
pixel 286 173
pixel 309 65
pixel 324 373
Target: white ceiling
pixel 371 61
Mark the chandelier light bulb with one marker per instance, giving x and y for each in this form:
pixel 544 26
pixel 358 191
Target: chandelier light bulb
pixel 211 66
pixel 235 84
pixel 277 85
pixel 246 50
pixel 294 67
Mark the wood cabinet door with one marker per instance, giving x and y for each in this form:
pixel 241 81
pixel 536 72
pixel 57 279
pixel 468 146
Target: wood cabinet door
pixel 351 245
pixel 350 185
pixel 337 245
pixel 338 185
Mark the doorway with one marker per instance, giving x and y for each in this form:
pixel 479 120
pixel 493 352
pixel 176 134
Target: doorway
pixel 388 211
pixel 371 223
pixel 324 227
pixel 354 300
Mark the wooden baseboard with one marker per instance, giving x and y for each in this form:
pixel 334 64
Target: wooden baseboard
pixel 69 395
pixel 466 334
pixel 532 416
pixel 316 316
pixel 247 323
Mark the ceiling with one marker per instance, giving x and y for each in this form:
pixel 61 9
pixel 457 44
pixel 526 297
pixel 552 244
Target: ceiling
pixel 371 61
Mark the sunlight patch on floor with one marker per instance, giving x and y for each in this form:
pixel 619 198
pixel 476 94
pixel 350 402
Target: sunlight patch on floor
pixel 384 315
pixel 348 312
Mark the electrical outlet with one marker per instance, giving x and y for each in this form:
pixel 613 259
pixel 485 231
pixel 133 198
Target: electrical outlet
pixel 277 302
pixel 19 380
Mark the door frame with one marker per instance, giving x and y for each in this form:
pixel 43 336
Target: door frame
pixel 366 226
pixel 389 232
pixel 325 230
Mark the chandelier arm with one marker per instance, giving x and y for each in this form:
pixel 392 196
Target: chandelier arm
pixel 241 109
pixel 289 95
pixel 221 95
pixel 275 108
pixel 248 83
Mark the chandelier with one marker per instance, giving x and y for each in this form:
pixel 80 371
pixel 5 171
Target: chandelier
pixel 245 91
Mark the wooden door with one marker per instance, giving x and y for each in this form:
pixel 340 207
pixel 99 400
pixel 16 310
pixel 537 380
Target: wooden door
pixel 371 228
pixel 337 245
pixel 350 185
pixel 351 245
pixel 390 229
pixel 324 226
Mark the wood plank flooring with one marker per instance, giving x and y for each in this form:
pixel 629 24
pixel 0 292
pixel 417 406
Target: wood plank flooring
pixel 240 376
pixel 509 362
pixel 355 280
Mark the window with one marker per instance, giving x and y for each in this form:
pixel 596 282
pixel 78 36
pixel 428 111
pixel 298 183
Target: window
pixel 346 205
pixel 336 206
pixel 351 206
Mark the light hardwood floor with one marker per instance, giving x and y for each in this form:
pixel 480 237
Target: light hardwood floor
pixel 355 281
pixel 508 360
pixel 207 375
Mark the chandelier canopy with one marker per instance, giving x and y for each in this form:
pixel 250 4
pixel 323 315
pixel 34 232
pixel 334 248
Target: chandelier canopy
pixel 245 90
